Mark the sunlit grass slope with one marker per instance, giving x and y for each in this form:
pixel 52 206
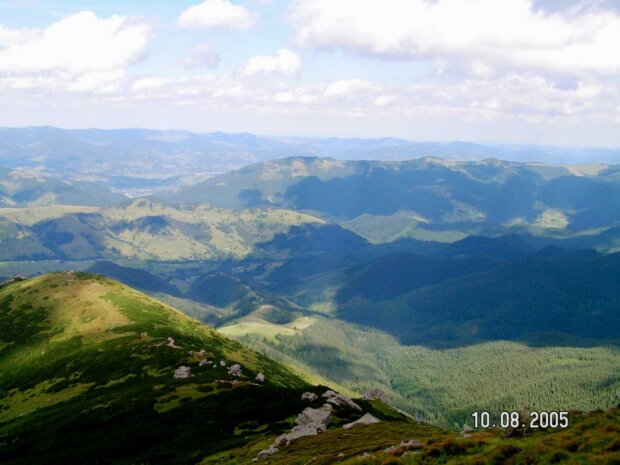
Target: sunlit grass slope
pixel 86 375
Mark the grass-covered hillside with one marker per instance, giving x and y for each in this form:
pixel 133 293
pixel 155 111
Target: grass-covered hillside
pixel 22 189
pixel 139 229
pixel 91 373
pixel 441 386
pixel 86 376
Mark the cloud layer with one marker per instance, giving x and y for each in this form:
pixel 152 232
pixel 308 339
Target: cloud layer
pixel 79 52
pixel 284 62
pixel 488 36
pixel 216 14
pixel 395 63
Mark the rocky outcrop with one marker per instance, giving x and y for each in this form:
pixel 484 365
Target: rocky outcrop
pixel 309 396
pixel 182 372
pixel 317 417
pixel 265 454
pixel 310 422
pixel 366 419
pixel 314 421
pixel 235 370
pixel 338 400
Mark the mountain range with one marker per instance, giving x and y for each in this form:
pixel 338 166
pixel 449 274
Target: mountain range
pixel 442 285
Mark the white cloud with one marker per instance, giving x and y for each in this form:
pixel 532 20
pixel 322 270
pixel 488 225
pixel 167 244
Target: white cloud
pixel 79 43
pixel 216 14
pixel 202 55
pixel 10 36
pixel 489 35
pixel 80 53
pixel 284 62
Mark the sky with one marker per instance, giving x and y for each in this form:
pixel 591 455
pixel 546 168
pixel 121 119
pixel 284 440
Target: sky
pixel 510 71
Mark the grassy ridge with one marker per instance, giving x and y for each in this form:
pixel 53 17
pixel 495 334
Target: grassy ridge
pixel 74 357
pixel 591 439
pixel 140 229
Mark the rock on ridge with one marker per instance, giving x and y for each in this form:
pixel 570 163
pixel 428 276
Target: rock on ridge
pixel 337 399
pixel 366 419
pixel 182 372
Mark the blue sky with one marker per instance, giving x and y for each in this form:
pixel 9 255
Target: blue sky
pixel 516 71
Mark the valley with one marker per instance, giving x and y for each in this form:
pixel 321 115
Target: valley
pixel 451 287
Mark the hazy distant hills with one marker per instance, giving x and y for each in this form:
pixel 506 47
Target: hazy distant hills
pixel 140 229
pixel 19 189
pixel 142 159
pixel 426 198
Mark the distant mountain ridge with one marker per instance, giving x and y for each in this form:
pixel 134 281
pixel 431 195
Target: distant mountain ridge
pixel 426 198
pixel 20 189
pixel 119 155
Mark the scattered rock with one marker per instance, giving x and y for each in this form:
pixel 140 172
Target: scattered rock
pixel 375 394
pixel 309 396
pixel 172 344
pixel 235 370
pixel 260 378
pixel 318 417
pixel 403 447
pixel 466 431
pixel 182 372
pixel 144 334
pixel 337 399
pixel 310 422
pixel 204 362
pixel 265 454
pixel 222 363
pixel 366 419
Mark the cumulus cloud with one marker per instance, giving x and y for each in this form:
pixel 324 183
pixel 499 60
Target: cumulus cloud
pixel 487 35
pixel 216 14
pixel 202 55
pixel 79 53
pixel 284 62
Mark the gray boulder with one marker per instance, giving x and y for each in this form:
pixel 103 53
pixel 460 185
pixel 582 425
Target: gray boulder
pixel 235 370
pixel 260 378
pixel 337 399
pixel 366 419
pixel 309 396
pixel 265 454
pixel 182 372
pixel 319 417
pixel 310 422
